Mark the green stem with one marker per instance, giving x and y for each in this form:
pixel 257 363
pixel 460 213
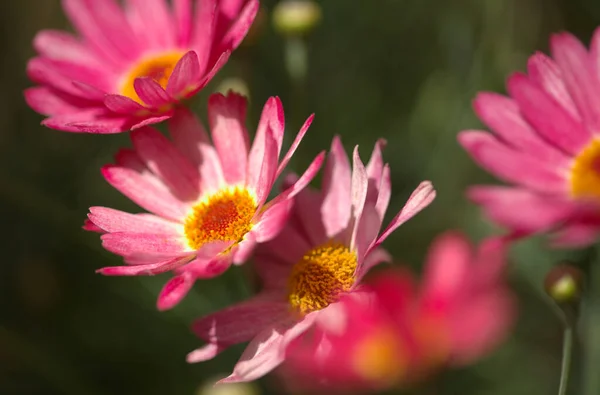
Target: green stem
pixel 592 332
pixel 566 358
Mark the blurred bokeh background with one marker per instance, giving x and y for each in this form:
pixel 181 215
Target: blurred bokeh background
pixel 405 70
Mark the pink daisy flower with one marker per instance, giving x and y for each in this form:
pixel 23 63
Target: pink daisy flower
pixel 329 244
pixel 546 143
pixel 397 331
pixel 207 202
pixel 131 65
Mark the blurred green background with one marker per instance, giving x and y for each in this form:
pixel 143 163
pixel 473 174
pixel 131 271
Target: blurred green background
pixel 405 70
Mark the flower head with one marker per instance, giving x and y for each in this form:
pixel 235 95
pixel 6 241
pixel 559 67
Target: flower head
pixel 130 66
pixel 546 143
pixel 397 331
pixel 207 202
pixel 331 240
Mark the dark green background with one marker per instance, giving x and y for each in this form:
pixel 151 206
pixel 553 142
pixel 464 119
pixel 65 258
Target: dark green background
pixel 405 70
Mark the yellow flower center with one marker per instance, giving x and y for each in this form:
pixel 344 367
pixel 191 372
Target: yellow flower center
pixel 223 216
pixel 585 172
pixel 377 357
pixel 321 276
pixel 159 68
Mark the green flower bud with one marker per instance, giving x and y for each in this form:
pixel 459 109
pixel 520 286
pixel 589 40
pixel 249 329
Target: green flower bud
pixel 296 17
pixel 563 283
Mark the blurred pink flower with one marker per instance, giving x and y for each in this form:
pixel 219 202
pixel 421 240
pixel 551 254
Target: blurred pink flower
pixel 546 142
pixel 131 66
pixel 208 201
pixel 331 240
pixel 397 334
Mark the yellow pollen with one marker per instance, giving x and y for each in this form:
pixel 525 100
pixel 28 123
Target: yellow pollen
pixel 585 172
pixel 377 358
pixel 223 216
pixel 159 68
pixel 321 276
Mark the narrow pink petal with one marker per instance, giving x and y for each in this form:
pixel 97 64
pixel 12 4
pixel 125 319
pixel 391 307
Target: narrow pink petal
pixel 175 290
pixel 272 220
pixel 49 101
pixel 543 71
pixel 284 162
pixel 268 169
pixel 576 236
pixel 310 226
pixel 240 27
pixel 208 76
pixel 151 120
pixel 185 76
pixel 547 116
pixel 360 184
pixel 94 121
pixel 153 22
pixel 374 257
pixel 367 230
pixel 521 209
pixel 59 45
pixel 62 76
pixel 385 192
pixel 265 352
pixel 336 187
pixel 302 181
pixel 204 28
pixel 128 243
pixel 418 200
pixel 104 26
pixel 579 76
pixel 512 166
pixel 91 227
pixel 122 104
pixel 167 162
pixel 145 270
pixel 182 15
pixel 146 191
pixel 243 251
pixel 375 170
pixel 241 322
pixel 227 117
pixel 151 92
pixel 111 220
pixel 504 117
pixel 205 353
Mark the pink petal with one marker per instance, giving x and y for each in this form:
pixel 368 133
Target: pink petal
pixel 241 322
pixel 284 162
pixel 91 227
pixel 105 28
pixel 110 220
pixel 205 353
pixel 145 270
pixel 122 104
pixel 182 10
pixel 360 184
pixel 91 121
pixel 49 101
pixel 227 115
pixel 167 162
pixel 266 177
pixel 124 243
pixel 511 165
pixel 204 28
pixel 272 221
pixel 288 247
pixel 580 78
pixel 336 187
pixel 175 290
pixel 576 236
pixel 547 116
pixel 504 117
pixel 61 76
pixel 374 257
pixel 308 201
pixel 244 249
pixel 146 191
pixel 367 230
pixel 543 71
pixel 185 76
pixel 151 19
pixel 151 92
pixel 385 192
pixel 240 27
pixel 59 45
pixel 418 200
pixel 274 274
pixel 151 120
pixel 520 209
pixel 375 171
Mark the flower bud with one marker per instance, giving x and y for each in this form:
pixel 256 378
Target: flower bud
pixel 563 283
pixel 296 17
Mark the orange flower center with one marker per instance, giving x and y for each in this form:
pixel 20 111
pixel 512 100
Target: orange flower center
pixel 377 358
pixel 159 68
pixel 224 216
pixel 320 277
pixel 585 172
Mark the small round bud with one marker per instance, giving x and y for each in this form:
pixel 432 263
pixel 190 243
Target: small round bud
pixel 563 283
pixel 296 17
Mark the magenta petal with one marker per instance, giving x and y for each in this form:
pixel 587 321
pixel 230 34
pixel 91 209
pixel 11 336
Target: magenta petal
pixel 283 163
pixel 240 27
pixel 48 101
pixel 182 15
pixel 268 169
pixel 418 200
pixel 59 45
pixel 272 221
pixel 205 353
pixel 144 270
pixel 336 186
pixel 576 236
pixel 122 104
pixel 110 220
pixel 175 290
pixel 129 243
pixel 185 76
pixel 151 92
pixel 151 120
pixel 360 184
pixel 203 36
pixel 152 21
